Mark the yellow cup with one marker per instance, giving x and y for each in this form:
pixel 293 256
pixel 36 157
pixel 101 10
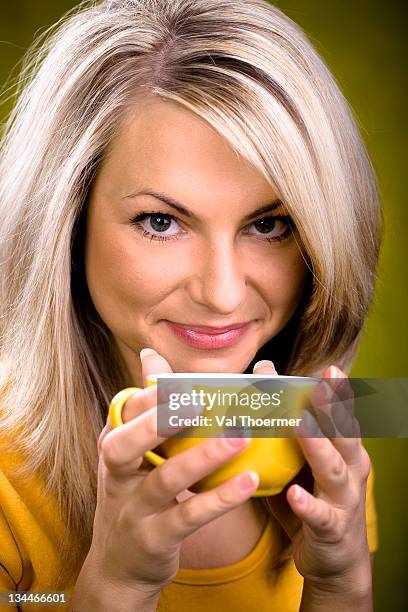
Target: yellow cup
pixel 276 460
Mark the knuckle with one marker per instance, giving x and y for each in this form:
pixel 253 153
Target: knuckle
pixel 212 451
pixel 190 514
pixel 338 473
pixel 338 531
pixel 150 426
pixel 354 499
pixel 147 541
pixel 329 523
pixel 167 478
pixel 110 452
pixel 144 538
pixel 126 523
pixel 227 496
pixel 112 456
pixel 102 436
pixel 365 463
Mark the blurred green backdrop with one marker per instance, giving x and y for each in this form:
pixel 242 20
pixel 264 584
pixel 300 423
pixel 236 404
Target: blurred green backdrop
pixel 364 44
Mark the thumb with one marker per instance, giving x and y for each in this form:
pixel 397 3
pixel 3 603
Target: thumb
pixel 153 363
pixel 265 367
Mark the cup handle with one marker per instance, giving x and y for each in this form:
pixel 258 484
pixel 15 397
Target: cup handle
pixel 115 417
pixel 117 403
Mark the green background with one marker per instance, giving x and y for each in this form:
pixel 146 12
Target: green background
pixel 364 45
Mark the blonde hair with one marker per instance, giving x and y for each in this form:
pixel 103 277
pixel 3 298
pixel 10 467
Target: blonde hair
pixel 253 75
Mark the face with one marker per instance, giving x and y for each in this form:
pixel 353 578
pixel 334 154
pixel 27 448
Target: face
pixel 159 273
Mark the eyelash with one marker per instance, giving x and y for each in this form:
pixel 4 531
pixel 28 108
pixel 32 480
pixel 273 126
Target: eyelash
pixel 137 221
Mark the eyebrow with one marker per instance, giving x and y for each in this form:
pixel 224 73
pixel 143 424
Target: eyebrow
pixel 188 213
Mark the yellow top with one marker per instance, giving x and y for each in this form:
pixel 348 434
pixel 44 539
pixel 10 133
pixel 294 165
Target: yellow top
pixel 30 530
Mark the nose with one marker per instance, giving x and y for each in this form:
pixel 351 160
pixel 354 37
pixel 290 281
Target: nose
pixel 219 279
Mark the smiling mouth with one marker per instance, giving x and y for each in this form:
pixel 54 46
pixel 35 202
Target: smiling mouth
pixel 206 337
pixel 211 329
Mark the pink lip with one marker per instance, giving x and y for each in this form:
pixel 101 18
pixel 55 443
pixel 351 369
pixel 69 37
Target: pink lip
pixel 211 329
pixel 204 337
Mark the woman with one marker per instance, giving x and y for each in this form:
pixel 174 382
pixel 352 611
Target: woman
pixel 169 166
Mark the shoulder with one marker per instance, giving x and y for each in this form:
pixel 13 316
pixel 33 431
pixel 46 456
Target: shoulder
pixel 12 553
pixel 30 525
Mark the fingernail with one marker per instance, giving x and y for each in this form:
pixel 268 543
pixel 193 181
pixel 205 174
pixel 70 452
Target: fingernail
pixel 264 363
pixel 248 480
pixel 236 442
pixel 333 372
pixel 147 351
pixel 239 432
pixel 299 496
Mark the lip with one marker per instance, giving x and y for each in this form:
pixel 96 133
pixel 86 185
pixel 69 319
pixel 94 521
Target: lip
pixel 206 337
pixel 210 329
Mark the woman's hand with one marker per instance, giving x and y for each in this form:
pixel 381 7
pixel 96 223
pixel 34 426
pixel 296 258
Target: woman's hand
pixel 328 527
pixel 140 523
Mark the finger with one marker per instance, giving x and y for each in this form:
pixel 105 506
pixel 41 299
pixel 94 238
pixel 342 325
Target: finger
pixel 333 410
pixel 340 393
pixel 138 403
pixel 280 508
pixel 329 469
pixel 185 518
pixel 102 435
pixel 153 363
pixel 320 408
pixel 340 402
pixel 183 470
pixel 339 382
pixel 265 367
pixel 334 415
pixel 321 517
pixel 124 446
pixel 146 398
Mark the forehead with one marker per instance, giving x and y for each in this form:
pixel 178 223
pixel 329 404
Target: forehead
pixel 164 146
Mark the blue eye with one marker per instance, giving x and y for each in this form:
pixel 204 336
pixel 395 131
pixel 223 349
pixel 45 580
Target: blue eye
pixel 163 226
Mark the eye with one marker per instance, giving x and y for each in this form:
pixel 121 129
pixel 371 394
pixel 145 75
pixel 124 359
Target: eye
pixel 274 227
pixel 157 225
pixel 162 226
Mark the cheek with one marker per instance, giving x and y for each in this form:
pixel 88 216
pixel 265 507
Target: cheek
pixel 122 274
pixel 286 275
